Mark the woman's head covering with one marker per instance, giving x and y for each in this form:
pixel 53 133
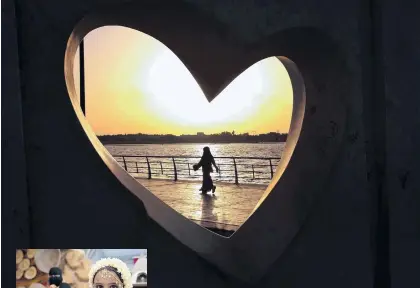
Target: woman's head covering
pixel 113 265
pixel 206 152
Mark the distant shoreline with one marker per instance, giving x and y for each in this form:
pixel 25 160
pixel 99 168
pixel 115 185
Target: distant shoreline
pixel 200 138
pixel 214 143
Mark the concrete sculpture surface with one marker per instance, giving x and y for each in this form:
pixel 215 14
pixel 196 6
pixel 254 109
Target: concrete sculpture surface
pixel 317 222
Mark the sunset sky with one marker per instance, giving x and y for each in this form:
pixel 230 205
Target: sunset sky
pixel 135 84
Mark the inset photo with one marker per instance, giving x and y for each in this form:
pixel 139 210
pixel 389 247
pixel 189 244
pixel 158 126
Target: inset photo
pixel 81 268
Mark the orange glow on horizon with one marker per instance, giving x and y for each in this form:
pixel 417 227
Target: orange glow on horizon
pixel 135 84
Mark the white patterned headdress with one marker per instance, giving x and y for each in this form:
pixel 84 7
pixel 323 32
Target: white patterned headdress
pixel 115 263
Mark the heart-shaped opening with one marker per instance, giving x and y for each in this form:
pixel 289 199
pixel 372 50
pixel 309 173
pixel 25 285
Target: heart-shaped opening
pixel 152 116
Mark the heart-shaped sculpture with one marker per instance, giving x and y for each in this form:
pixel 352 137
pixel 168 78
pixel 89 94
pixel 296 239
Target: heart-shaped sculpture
pixel 317 126
pixel 152 92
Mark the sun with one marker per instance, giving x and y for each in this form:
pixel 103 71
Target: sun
pixel 174 93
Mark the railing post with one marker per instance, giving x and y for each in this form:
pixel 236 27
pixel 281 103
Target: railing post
pixel 189 171
pixel 125 164
pixel 161 167
pixel 137 168
pixel 149 171
pixel 271 169
pixel 253 173
pixel 175 173
pixel 236 171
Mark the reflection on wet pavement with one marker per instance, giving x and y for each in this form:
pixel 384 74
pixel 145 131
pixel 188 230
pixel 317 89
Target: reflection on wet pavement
pixel 227 209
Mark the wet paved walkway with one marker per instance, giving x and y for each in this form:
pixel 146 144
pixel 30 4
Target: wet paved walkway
pixel 227 209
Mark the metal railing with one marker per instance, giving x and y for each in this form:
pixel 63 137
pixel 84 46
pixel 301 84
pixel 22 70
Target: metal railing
pixel 231 169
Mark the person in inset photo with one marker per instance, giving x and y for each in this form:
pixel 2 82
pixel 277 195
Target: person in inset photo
pixel 55 277
pixel 110 273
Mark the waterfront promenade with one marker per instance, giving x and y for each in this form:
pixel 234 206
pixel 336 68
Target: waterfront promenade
pixel 227 209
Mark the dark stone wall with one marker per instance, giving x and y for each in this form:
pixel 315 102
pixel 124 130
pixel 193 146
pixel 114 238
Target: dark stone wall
pixel 15 207
pixel 68 185
pixel 400 43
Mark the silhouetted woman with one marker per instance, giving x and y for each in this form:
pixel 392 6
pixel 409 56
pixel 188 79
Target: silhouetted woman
pixel 206 162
